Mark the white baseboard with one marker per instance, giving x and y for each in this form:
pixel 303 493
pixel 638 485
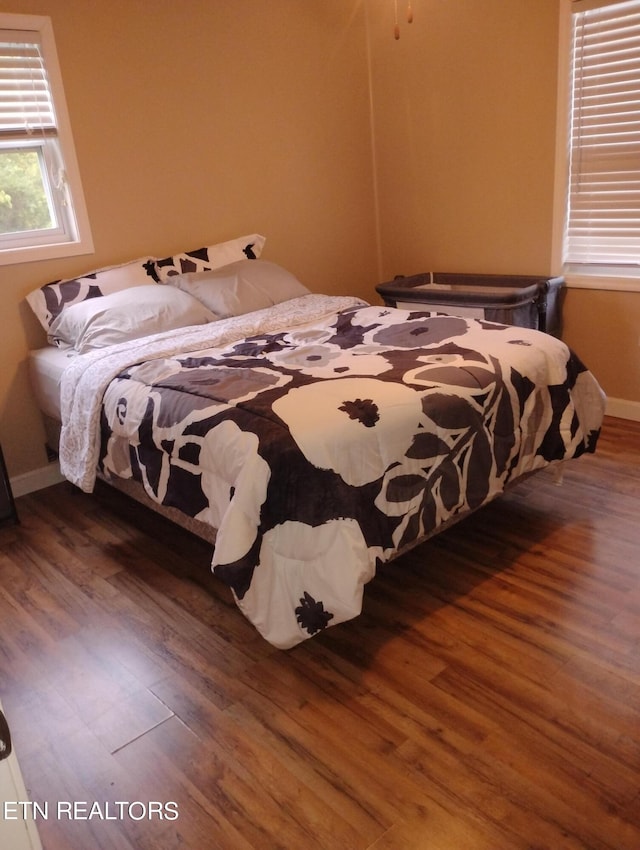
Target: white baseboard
pixel 623 409
pixel 37 479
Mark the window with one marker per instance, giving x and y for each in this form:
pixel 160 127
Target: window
pixel 601 199
pixel 42 212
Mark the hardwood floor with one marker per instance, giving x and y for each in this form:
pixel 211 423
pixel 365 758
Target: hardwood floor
pixel 488 698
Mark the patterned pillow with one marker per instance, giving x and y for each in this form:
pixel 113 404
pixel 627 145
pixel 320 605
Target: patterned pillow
pixel 52 298
pixel 206 259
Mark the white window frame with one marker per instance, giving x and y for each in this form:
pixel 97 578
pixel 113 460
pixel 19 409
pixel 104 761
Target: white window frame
pixel 73 236
pixel 583 277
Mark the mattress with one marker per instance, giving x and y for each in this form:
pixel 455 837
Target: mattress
pixel 46 366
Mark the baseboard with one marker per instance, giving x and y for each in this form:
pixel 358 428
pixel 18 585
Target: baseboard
pixel 623 409
pixel 37 479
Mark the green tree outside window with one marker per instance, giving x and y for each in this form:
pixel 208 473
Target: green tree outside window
pixel 23 200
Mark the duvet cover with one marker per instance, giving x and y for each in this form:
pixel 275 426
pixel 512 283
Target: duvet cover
pixel 323 436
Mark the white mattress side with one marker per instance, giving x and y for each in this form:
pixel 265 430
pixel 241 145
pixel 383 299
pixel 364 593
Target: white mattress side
pixel 46 366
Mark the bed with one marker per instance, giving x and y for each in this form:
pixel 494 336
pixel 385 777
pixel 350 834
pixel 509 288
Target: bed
pixel 314 436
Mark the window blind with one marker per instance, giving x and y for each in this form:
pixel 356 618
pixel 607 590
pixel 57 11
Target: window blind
pixel 26 106
pixel 603 224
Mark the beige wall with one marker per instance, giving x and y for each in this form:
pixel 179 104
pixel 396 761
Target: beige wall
pixel 465 122
pixel 464 108
pixel 604 329
pixel 199 121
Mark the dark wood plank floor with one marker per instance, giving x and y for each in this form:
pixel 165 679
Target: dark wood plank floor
pixel 488 698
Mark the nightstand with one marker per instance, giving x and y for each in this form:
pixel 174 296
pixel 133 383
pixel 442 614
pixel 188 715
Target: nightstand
pixel 523 300
pixel 8 512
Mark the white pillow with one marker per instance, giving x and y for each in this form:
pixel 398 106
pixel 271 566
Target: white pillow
pixel 241 287
pixel 126 315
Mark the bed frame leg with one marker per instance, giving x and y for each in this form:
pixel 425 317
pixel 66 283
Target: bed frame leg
pixel 558 474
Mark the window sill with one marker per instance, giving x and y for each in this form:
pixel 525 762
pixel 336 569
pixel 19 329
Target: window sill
pixel 33 253
pixel 604 282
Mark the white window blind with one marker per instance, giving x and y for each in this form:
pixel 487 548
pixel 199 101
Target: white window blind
pixel 603 223
pixel 26 106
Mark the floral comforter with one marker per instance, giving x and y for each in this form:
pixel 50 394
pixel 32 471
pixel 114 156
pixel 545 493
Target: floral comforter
pixel 324 436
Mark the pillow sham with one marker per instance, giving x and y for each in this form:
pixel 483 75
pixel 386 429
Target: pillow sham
pixel 50 300
pixel 204 259
pixel 241 287
pixel 126 315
